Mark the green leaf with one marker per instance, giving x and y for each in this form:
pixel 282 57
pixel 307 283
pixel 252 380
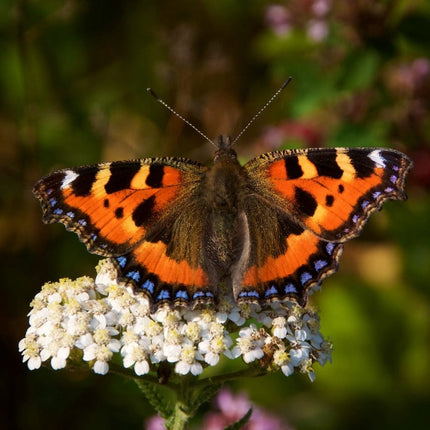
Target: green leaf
pixel 157 396
pixel 203 395
pixel 359 70
pixel 239 424
pixel 356 135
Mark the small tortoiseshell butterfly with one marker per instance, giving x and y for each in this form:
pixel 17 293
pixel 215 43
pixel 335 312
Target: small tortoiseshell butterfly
pixel 270 229
pixel 179 231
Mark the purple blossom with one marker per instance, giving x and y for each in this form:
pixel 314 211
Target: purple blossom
pixel 233 407
pixel 317 30
pixel 155 423
pixel 278 19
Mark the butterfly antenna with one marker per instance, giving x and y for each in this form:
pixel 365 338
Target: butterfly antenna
pixel 153 94
pixel 262 109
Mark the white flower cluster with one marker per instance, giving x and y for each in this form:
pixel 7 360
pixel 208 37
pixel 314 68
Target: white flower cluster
pixel 94 320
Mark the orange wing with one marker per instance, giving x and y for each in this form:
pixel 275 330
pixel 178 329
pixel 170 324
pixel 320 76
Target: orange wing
pixel 112 206
pixel 318 199
pixel 134 211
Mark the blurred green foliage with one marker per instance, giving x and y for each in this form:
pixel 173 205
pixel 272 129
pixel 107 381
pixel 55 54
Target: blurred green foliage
pixel 73 91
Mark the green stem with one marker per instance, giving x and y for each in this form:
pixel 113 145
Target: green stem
pixel 179 417
pixel 186 393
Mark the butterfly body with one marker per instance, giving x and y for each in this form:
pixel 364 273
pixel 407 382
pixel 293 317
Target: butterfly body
pixel 182 233
pixel 224 191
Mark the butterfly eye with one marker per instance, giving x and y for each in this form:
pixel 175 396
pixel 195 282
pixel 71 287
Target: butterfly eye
pixel 224 149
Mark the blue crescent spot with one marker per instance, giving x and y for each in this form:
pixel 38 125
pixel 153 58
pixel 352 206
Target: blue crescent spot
pixel 181 294
pixel 305 277
pixel 52 202
pixel 209 294
pixel 148 286
pixel 164 295
pixel 133 274
pixel 290 288
pixel 319 264
pixel 271 291
pixel 376 194
pixel 58 211
pixel 82 222
pixel 70 214
pixel 122 261
pixel 364 204
pixel 395 168
pixel 393 179
pixel 389 190
pixel 329 248
pixel 198 294
pixel 251 293
pixel 355 218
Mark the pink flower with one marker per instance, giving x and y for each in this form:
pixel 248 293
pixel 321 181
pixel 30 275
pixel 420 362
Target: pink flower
pixel 321 7
pixel 421 71
pixel 278 19
pixel 234 407
pixel 410 78
pixel 155 423
pixel 310 135
pixel 317 30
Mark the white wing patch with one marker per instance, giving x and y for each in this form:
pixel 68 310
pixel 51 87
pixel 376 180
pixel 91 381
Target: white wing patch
pixel 377 158
pixel 69 178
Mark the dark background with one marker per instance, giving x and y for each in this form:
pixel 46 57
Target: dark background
pixel 73 79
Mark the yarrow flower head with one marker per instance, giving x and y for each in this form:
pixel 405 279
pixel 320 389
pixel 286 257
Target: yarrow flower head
pixel 94 321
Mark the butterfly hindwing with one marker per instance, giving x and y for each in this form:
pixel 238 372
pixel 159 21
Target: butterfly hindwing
pixel 169 266
pixel 283 262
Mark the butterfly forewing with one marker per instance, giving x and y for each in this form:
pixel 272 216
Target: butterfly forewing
pixel 111 206
pixel 332 191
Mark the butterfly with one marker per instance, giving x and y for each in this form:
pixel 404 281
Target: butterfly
pixel 183 233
